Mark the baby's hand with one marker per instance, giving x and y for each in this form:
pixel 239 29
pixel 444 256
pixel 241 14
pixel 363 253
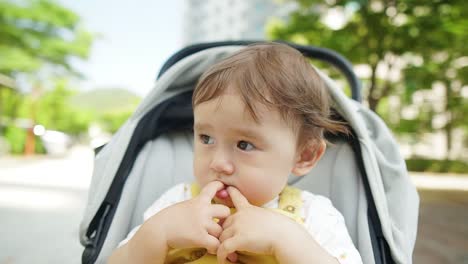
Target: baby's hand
pixel 190 223
pixel 261 231
pixel 252 229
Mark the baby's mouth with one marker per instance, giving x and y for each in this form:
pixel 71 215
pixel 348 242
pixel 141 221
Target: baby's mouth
pixel 223 193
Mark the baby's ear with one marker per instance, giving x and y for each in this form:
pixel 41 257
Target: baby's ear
pixel 308 157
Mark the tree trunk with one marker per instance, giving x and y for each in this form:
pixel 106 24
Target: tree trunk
pixel 30 144
pixel 1 101
pixel 371 98
pixel 449 125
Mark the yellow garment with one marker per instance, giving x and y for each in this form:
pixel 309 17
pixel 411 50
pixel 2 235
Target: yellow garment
pixel 290 204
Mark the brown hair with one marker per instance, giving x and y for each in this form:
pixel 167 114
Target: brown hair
pixel 279 77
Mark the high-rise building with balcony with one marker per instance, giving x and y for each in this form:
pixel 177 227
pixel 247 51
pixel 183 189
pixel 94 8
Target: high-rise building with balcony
pixel 216 20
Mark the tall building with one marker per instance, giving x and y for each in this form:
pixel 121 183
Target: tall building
pixel 216 20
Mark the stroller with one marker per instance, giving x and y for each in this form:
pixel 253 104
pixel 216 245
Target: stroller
pixel 363 174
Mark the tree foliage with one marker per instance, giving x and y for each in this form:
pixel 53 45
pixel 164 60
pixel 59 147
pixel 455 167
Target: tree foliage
pixel 409 46
pixel 38 32
pixel 36 35
pixel 38 40
pixel 57 114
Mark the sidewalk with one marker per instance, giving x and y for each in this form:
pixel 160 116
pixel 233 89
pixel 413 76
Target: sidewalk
pixel 443 219
pixel 442 227
pixel 42 201
pixel 439 181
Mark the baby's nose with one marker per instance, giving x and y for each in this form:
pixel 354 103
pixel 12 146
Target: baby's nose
pixel 222 164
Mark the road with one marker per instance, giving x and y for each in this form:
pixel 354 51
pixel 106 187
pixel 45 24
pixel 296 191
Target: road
pixel 443 228
pixel 41 205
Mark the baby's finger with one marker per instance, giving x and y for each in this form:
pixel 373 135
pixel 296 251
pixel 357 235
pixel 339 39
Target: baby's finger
pixel 226 234
pixel 232 257
pixel 222 254
pixel 214 229
pixel 211 244
pixel 225 249
pixel 228 221
pixel 221 221
pixel 219 211
pixel 237 198
pixel 209 191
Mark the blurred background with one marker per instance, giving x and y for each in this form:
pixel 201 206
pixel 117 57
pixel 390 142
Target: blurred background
pixel 72 72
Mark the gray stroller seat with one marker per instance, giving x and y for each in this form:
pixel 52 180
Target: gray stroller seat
pixel 364 175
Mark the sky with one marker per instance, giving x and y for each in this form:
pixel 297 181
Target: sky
pixel 135 38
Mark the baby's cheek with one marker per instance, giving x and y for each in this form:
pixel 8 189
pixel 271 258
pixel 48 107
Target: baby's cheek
pixel 258 190
pixel 200 170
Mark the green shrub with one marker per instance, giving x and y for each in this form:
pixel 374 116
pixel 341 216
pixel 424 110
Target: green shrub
pixel 113 121
pixel 433 165
pixel 39 146
pixel 16 137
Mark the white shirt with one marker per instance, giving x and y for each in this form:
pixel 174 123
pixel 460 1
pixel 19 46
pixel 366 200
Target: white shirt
pixel 321 219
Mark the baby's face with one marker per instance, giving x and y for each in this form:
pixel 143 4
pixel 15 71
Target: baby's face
pixel 231 147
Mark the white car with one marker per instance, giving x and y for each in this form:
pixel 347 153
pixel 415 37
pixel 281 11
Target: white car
pixel 56 142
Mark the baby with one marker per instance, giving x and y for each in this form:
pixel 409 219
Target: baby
pixel 259 116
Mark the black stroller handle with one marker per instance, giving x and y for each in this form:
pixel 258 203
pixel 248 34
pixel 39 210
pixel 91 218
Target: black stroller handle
pixel 323 54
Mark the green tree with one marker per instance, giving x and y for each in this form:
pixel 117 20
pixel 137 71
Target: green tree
pixel 57 114
pixel 52 110
pixel 422 42
pixel 376 33
pixel 38 32
pixel 37 36
pixel 34 34
pixel 445 70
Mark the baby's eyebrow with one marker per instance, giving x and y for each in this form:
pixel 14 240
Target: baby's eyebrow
pixel 202 126
pixel 247 132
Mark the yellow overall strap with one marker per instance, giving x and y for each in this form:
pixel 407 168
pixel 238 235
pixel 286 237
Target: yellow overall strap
pixel 290 203
pixel 195 189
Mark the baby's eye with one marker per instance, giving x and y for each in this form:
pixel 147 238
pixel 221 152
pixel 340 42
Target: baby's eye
pixel 206 139
pixel 244 145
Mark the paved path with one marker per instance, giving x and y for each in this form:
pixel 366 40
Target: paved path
pixel 443 228
pixel 443 219
pixel 42 201
pixel 41 204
